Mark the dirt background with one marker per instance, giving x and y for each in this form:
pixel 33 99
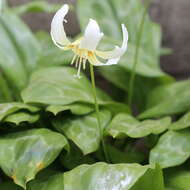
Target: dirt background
pixel 174 17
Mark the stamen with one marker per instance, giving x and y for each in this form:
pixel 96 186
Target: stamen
pixel 77 61
pixel 80 63
pixel 84 63
pixel 73 60
pixel 79 68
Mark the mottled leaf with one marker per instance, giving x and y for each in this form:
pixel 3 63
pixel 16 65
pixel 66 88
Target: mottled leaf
pixel 10 108
pixel 20 117
pixel 173 149
pixel 24 154
pixel 126 125
pixel 83 130
pixel 182 123
pixel 76 108
pixel 58 86
pixel 55 182
pixel 104 176
pixel 168 99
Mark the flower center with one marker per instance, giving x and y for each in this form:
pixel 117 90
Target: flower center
pixel 80 57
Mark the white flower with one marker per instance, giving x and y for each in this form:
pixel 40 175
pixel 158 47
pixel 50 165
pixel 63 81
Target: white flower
pixel 85 47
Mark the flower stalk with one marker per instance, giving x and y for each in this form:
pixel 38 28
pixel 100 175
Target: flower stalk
pixel 139 37
pixel 98 114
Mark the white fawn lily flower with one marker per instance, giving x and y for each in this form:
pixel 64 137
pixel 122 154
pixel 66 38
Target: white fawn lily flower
pixel 85 47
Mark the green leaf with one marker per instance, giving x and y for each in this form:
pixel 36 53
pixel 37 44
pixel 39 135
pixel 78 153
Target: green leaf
pixel 20 117
pixel 104 176
pixel 129 156
pixel 10 108
pixel 21 45
pixel 24 154
pixel 55 182
pixel 156 182
pixel 102 12
pixel 172 149
pixel 126 125
pixel 58 86
pixel 110 14
pixel 182 123
pixel 76 108
pixel 116 107
pixel 9 186
pixel 168 99
pixel 83 130
pixel 36 6
pixel 57 56
pixel 75 157
pixel 179 180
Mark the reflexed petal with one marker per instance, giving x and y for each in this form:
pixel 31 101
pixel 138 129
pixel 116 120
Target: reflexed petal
pixel 57 30
pixel 92 36
pixel 118 51
pixel 94 61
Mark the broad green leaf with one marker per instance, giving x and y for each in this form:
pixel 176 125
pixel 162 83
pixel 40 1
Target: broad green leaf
pixel 182 123
pixel 153 179
pixel 24 154
pixel 58 86
pixel 76 108
pixel 36 6
pixel 55 182
pixel 126 125
pixel 104 176
pixel 20 117
pixel 173 149
pixel 116 107
pixel 179 180
pixel 10 108
pixel 168 99
pixel 83 130
pixel 18 49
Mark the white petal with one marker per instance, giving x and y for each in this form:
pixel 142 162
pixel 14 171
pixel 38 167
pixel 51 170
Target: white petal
pixel 57 30
pixel 92 36
pixel 94 61
pixel 118 51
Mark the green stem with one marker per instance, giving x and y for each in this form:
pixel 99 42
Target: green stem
pixel 139 36
pixel 98 113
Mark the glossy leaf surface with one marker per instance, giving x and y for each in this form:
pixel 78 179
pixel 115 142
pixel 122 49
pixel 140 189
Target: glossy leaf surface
pixel 83 130
pixel 24 154
pixel 173 149
pixel 126 125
